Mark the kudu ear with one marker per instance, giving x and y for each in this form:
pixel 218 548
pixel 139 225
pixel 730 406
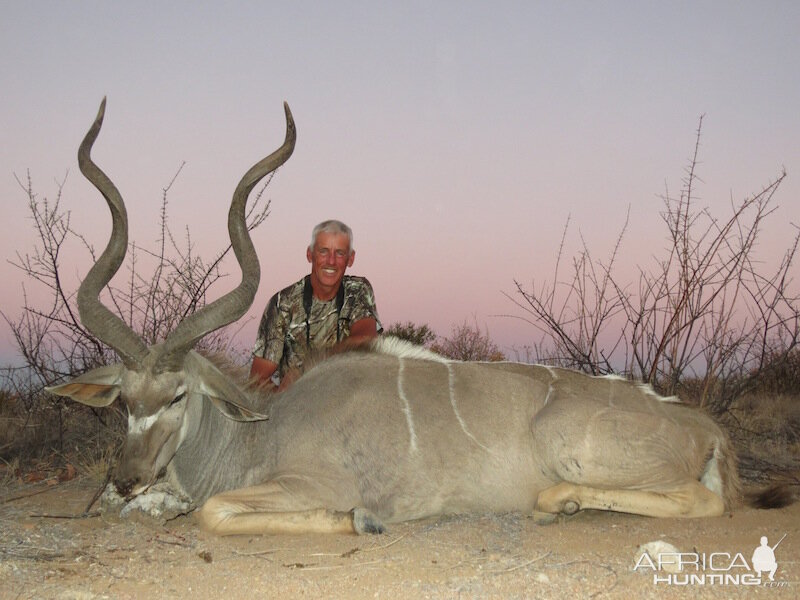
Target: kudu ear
pixel 98 387
pixel 234 410
pixel 224 394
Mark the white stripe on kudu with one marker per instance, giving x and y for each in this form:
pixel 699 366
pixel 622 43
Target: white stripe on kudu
pixel 412 444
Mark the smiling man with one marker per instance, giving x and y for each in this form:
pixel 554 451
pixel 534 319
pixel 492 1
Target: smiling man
pixel 322 310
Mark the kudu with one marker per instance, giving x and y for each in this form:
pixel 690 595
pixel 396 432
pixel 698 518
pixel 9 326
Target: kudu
pixel 391 434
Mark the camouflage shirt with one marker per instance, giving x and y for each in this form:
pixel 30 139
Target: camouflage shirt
pixel 283 336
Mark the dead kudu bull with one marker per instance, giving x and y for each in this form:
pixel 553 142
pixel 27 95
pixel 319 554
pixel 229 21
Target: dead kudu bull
pixel 393 434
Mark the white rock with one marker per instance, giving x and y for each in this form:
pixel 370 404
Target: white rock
pixel 656 549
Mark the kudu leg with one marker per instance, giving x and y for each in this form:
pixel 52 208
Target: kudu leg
pixel 277 507
pixel 688 500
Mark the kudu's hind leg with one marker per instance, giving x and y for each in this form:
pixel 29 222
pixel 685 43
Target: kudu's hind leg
pixel 689 499
pixel 280 507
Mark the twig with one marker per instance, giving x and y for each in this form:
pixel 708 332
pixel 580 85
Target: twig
pixel 85 515
pixel 99 492
pixel 171 543
pixel 29 494
pixel 523 565
pixel 314 567
pixel 612 586
pixel 258 552
pixel 33 554
pixel 393 542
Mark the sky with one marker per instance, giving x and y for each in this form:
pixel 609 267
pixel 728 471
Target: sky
pixel 455 138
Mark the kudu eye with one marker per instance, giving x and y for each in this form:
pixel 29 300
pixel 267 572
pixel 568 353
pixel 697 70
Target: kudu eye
pixel 177 398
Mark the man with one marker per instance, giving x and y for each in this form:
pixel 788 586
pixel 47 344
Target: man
pixel 322 310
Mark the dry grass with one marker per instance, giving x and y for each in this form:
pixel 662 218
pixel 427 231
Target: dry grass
pixel 53 439
pixel 764 422
pixel 12 422
pixel 777 418
pixel 8 472
pixel 765 430
pixel 95 464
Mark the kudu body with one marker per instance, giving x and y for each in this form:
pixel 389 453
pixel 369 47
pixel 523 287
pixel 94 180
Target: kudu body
pixel 389 434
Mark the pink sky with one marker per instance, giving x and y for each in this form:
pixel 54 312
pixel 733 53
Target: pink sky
pixel 455 138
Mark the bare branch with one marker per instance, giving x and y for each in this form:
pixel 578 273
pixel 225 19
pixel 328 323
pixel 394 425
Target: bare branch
pixel 707 308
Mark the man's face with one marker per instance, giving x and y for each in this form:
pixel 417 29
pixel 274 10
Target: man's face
pixel 329 260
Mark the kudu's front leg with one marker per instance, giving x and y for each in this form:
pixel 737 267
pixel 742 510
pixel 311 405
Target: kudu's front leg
pixel 277 507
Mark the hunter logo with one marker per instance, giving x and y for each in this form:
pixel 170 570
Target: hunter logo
pixel 715 568
pixel 764 558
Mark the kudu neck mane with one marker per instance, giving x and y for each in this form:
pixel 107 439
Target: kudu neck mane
pixel 386 345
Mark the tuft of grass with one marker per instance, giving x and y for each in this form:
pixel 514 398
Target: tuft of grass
pixel 95 463
pixel 9 472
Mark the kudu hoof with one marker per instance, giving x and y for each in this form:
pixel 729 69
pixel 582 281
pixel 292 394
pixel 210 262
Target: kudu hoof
pixel 365 522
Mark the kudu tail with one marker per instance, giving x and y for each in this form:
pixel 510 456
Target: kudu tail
pixel 782 490
pixel 722 476
pixel 775 495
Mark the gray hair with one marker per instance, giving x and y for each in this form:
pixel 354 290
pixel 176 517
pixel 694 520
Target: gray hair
pixel 332 226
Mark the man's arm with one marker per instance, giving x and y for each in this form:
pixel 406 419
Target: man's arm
pixel 269 342
pixel 361 332
pixel 364 323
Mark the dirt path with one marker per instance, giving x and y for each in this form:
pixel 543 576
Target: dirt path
pixel 487 556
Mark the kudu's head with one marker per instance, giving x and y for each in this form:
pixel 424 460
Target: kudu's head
pixel 157 383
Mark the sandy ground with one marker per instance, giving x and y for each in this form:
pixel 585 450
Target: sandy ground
pixel 590 555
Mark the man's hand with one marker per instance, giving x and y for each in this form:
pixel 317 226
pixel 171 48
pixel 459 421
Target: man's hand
pixel 262 370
